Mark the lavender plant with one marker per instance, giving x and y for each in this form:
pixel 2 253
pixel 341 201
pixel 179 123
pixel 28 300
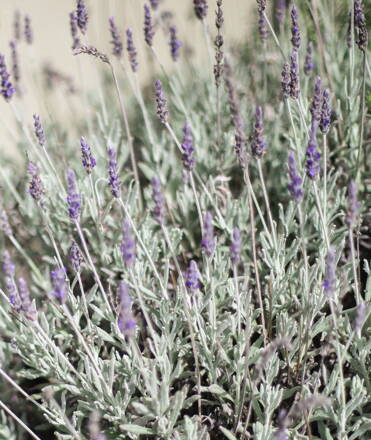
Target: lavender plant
pixel 234 302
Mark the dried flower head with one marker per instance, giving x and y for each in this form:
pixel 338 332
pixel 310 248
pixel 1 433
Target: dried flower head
pixel 315 107
pixel 208 242
pixel 73 197
pixel 262 26
pixel 360 26
pixel 116 41
pixel 218 66
pixel 93 51
pixel 286 81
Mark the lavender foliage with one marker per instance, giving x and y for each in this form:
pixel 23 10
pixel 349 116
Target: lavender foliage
pixel 235 247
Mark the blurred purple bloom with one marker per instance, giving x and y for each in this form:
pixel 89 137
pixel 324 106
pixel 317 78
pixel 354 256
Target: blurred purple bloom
pixel 25 300
pixel 39 131
pixel 154 4
pixel 208 242
pixel 295 180
pixel 15 63
pixel 286 81
pixel 161 102
pixel 280 11
pixel 188 148
pixel 329 284
pixel 7 89
pixel 17 25
pixel 159 210
pixel 235 247
pixel 82 16
pixel 281 433
pixel 28 33
pixel 308 64
pixel 262 25
pixel 73 197
pixel 4 223
pixel 127 247
pixel 313 157
pixel 315 107
pixel 88 161
pixel 353 205
pixel 149 31
pixel 113 179
pixel 174 43
pixel 201 8
pixel 258 144
pixel 116 41
pixel 36 187
pixel 294 75
pixel 131 50
pixel 295 30
pixel 58 280
pixel 74 30
pixel 192 277
pixel 360 26
pixel 75 257
pixel 126 321
pixel 13 295
pixel 8 265
pixel 325 117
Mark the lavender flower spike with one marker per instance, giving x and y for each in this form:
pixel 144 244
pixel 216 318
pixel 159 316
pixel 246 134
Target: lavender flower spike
pixel 188 148
pixel 159 210
pixel 329 284
pixel 36 188
pixel 154 4
pixel 208 243
pixel 294 75
pixel 174 43
pixel 7 89
pixel 235 247
pixel 75 256
pixel 128 245
pixel 73 197
pixel 113 179
pixel 58 280
pixel 286 81
pixel 74 30
pixel 4 223
pixel 17 25
pixel 360 26
pixel 315 107
pixel 280 11
pixel 131 50
pixel 308 64
pixel 39 131
pixel 313 157
pixel 295 30
pixel 8 265
pixel 192 277
pixel 82 16
pixel 295 180
pixel 161 102
pixel 258 144
pixel 353 205
pixel 88 160
pixel 325 117
pixel 148 26
pixel 28 29
pixel 25 300
pixel 15 63
pixel 201 8
pixel 116 41
pixel 262 25
pixel 126 321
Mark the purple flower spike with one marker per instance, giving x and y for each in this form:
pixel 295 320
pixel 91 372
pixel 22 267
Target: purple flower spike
pixel 294 75
pixel 295 30
pixel 309 65
pixel 326 112
pixel 360 26
pixel 73 197
pixel 148 26
pixel 58 280
pixel 12 291
pixel 128 245
pixel 75 257
pixel 113 179
pixel 188 148
pixel 4 223
pixel 82 16
pixel 329 284
pixel 131 50
pixel 8 265
pixel 353 205
pixel 208 243
pixel 161 102
pixel 313 157
pixel 192 277
pixel 39 131
pixel 159 210
pixel 88 161
pixel 126 321
pixel 154 4
pixel 74 30
pixel 262 25
pixel 315 107
pixel 36 187
pixel 280 11
pixel 201 8
pixel 28 33
pixel 174 43
pixel 286 81
pixel 116 41
pixel 258 144
pixel 15 63
pixel 7 89
pixel 17 25
pixel 235 247
pixel 25 300
pixel 295 180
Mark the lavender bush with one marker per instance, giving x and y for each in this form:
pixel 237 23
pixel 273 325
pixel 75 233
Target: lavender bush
pixel 157 285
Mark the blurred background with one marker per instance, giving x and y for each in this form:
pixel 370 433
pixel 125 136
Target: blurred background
pixel 50 54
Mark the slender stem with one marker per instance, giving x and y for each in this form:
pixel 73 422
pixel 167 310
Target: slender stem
pixel 267 204
pixel 363 115
pixel 85 304
pixel 354 265
pixel 208 43
pixel 19 421
pixel 274 35
pixel 238 302
pixel 325 176
pixel 323 221
pixel 196 200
